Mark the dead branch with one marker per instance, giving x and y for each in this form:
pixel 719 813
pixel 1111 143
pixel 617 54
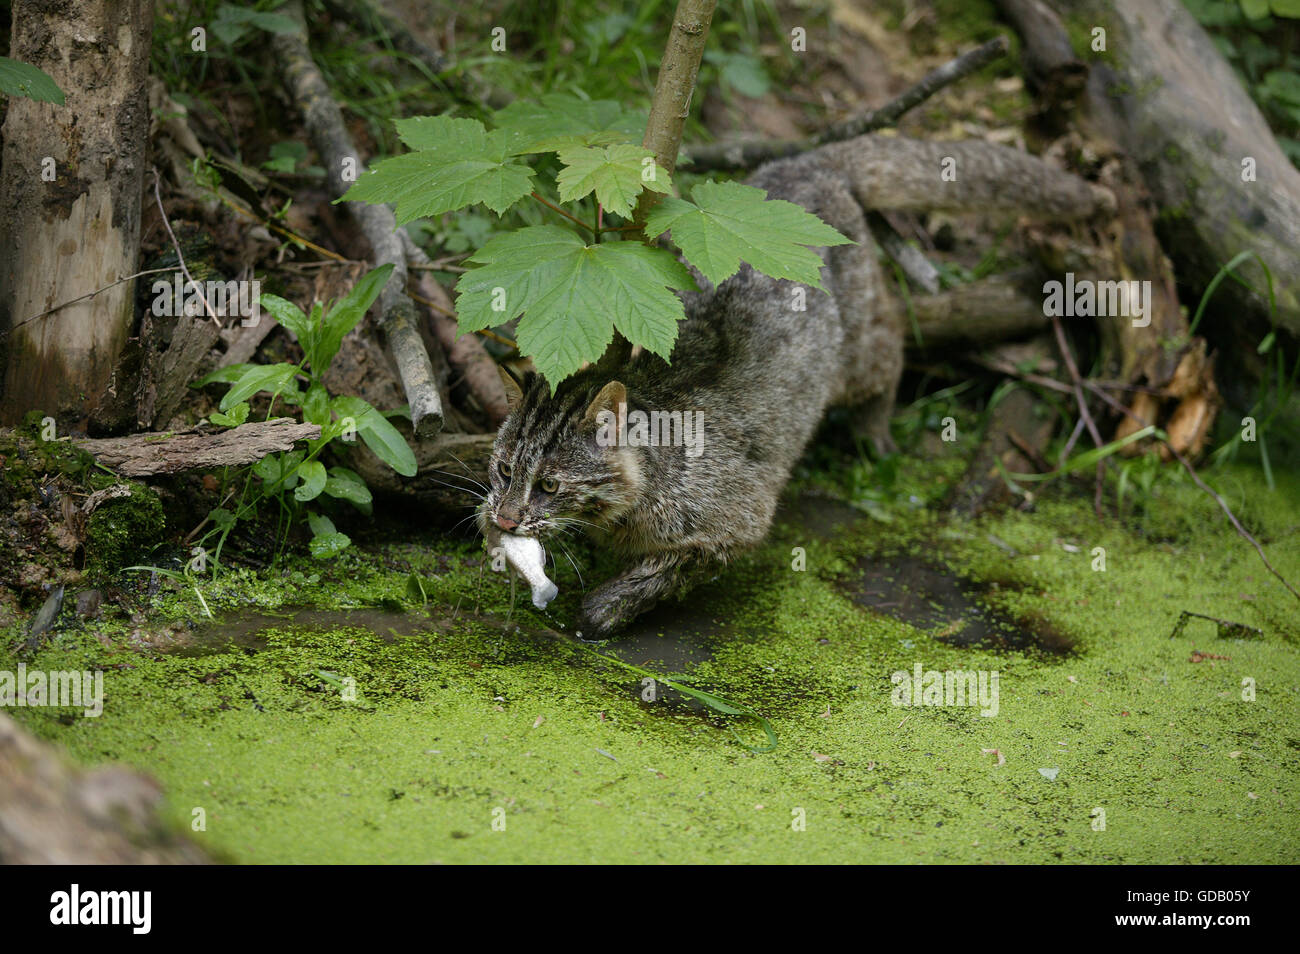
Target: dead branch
pixel 1084 413
pixel 466 354
pixel 144 455
pixel 1053 71
pixel 324 121
pixel 1164 91
pixel 1017 414
pixel 1003 306
pixel 914 264
pixel 747 155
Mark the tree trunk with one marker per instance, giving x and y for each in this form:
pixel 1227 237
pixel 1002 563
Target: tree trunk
pixel 70 190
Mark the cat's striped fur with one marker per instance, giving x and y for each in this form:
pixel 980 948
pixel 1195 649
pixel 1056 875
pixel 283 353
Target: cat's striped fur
pixel 761 371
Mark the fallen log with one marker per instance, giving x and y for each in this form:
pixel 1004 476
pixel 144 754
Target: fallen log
pixel 1146 351
pixel 1009 305
pixel 144 455
pixel 1205 151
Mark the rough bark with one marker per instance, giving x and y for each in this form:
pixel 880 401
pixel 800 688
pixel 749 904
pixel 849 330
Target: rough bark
pixel 1054 73
pixel 143 455
pixel 71 234
pixel 1128 249
pixel 54 813
pixel 1180 111
pixel 1003 306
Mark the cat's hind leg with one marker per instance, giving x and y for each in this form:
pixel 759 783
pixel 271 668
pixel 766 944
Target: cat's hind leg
pixel 871 423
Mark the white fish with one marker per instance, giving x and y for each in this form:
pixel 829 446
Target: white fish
pixel 525 555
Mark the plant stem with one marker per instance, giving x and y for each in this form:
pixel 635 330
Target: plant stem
pixel 555 208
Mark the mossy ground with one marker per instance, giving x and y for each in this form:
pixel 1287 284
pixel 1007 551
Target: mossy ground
pixel 462 720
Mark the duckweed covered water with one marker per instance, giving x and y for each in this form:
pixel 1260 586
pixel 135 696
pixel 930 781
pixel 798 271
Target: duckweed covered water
pixel 472 739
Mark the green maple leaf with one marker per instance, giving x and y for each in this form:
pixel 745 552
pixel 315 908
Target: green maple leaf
pixel 615 173
pixel 561 120
pixel 456 163
pixel 572 296
pixel 728 222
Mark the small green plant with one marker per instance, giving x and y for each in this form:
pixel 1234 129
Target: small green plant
pixel 571 294
pixel 295 478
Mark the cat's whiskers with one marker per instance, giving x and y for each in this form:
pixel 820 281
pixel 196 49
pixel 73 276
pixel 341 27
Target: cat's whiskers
pixel 472 516
pixel 569 556
pixel 468 471
pixel 463 489
pixel 572 520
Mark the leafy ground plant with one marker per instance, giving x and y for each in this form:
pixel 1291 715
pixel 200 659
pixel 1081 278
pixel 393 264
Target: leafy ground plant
pixel 295 478
pixel 573 285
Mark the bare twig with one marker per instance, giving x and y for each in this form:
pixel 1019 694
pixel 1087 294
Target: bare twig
pixel 910 259
pixel 1051 65
pixel 1086 415
pixel 747 155
pixel 72 301
pixel 1100 391
pixel 180 257
pixel 324 121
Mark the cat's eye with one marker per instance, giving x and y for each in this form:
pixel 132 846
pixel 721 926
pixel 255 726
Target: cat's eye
pixel 505 469
pixel 550 485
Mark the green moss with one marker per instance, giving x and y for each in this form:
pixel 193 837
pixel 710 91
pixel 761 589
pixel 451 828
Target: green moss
pixel 124 530
pixel 462 720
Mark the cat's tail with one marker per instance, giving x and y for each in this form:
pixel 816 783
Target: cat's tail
pixel 891 172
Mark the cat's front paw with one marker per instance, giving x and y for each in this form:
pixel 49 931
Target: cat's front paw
pixel 617 601
pixel 601 616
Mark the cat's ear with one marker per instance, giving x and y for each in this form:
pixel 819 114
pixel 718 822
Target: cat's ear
pixel 514 395
pixel 609 399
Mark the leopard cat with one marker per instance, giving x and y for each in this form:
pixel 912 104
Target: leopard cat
pixel 755 371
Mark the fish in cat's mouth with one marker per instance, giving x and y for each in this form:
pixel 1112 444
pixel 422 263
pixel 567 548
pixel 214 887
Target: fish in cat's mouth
pixel 527 558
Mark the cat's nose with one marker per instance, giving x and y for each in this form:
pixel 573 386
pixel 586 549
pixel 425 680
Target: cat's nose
pixel 505 523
